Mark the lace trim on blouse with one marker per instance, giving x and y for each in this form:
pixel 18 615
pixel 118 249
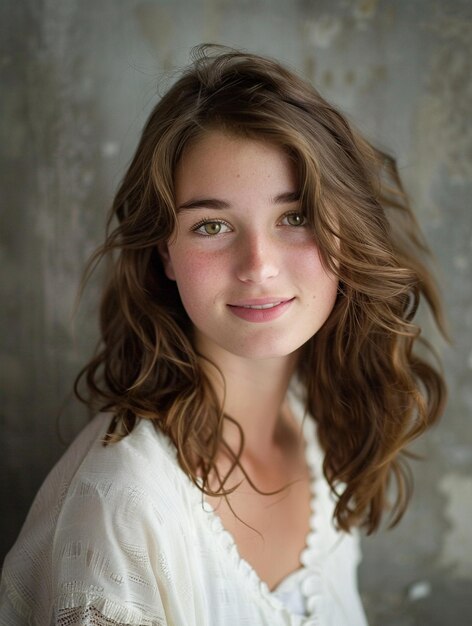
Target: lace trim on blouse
pixel 89 616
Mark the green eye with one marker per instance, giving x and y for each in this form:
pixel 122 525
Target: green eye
pixel 295 219
pixel 212 228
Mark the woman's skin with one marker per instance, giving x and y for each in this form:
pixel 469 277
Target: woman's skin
pixel 241 241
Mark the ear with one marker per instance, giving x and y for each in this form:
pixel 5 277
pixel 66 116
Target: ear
pixel 163 250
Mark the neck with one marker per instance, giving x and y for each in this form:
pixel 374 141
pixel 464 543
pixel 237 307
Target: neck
pixel 254 395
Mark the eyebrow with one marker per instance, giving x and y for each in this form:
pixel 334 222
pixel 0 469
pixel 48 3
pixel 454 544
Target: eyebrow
pixel 213 203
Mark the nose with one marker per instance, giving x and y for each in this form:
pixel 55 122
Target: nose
pixel 258 259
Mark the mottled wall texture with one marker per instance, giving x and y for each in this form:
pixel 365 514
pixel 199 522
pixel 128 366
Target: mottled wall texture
pixel 78 78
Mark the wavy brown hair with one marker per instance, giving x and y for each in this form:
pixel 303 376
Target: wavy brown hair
pixel 368 391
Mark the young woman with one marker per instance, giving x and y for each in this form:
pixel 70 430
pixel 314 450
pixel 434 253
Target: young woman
pixel 256 378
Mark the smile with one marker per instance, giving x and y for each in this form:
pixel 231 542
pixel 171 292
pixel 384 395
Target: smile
pixel 262 311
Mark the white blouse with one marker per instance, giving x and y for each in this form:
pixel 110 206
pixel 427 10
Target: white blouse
pixel 119 535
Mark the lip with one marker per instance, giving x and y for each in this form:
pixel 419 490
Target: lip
pixel 241 309
pixel 260 301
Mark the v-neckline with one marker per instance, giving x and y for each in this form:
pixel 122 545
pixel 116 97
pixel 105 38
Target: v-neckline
pixel 311 554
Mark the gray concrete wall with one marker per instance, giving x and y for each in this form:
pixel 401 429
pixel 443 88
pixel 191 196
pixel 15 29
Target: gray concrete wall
pixel 78 78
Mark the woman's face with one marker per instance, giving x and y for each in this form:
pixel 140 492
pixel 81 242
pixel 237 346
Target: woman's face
pixel 246 267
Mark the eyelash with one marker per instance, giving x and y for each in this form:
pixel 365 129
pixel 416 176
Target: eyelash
pixel 209 220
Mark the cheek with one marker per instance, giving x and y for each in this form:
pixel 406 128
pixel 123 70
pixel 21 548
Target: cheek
pixel 322 284
pixel 193 267
pixel 196 276
pixel 306 261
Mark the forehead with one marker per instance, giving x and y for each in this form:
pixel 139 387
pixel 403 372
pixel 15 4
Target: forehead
pixel 228 165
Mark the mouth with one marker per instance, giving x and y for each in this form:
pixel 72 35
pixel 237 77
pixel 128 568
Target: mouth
pixel 261 309
pixel 260 303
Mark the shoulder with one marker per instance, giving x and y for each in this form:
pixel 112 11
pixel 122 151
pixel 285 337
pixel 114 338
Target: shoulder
pixel 136 479
pixel 138 470
pixel 135 486
pixel 144 460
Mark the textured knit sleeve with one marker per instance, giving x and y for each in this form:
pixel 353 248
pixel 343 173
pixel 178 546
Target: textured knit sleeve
pixel 101 565
pixel 103 547
pixel 106 558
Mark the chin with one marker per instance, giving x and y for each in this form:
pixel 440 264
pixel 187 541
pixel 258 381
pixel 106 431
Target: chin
pixel 263 350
